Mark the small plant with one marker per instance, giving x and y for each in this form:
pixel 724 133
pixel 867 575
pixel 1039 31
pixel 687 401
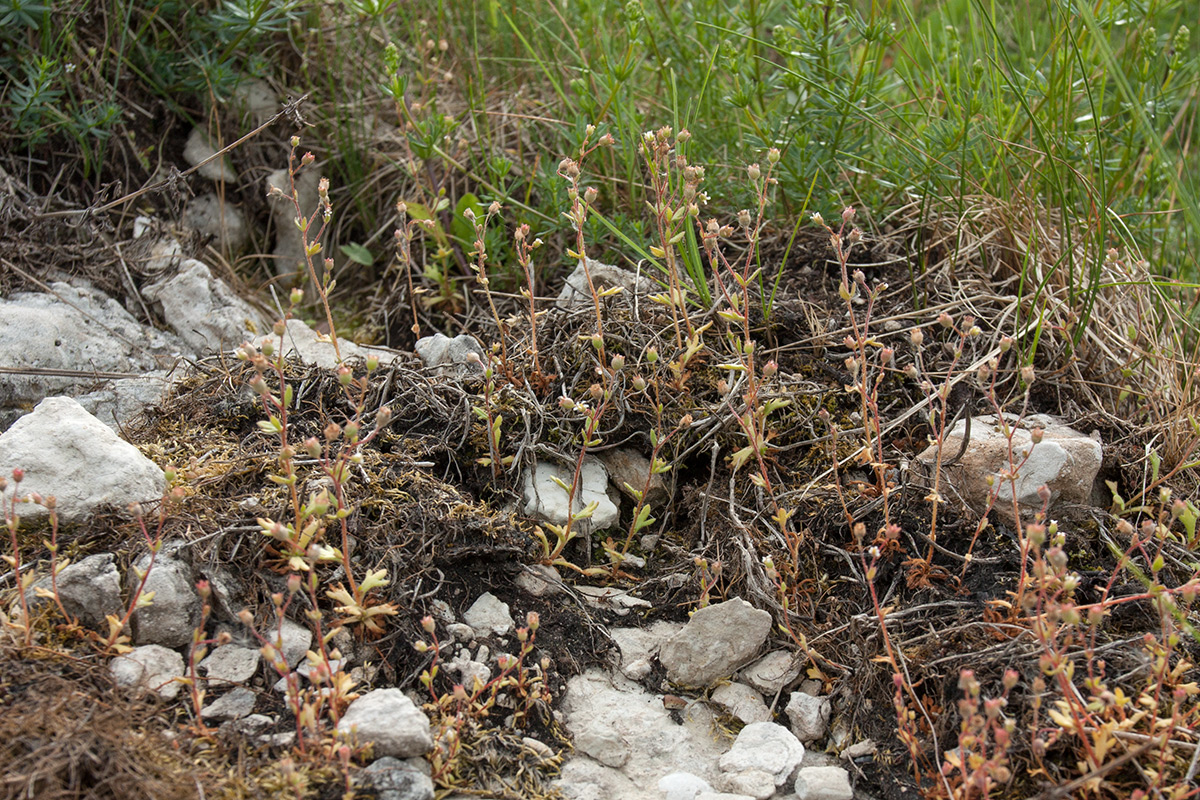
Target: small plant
pixel 299 541
pixel 519 686
pixel 311 234
pixel 196 652
pixel 734 283
pixel 980 765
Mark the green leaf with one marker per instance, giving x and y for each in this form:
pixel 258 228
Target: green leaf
pixel 462 228
pixel 358 253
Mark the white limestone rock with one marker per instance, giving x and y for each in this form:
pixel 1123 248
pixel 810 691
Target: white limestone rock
pixel 89 589
pixel 546 500
pixel 448 357
pixel 68 453
pixel 237 703
pixel 230 663
pixel 575 291
pixel 255 98
pixel 219 218
pixel 73 328
pixel 488 615
pixel 742 702
pixel 639 645
pixel 292 639
pixel 288 254
pixel 809 716
pixel 682 786
pixel 627 728
pixel 199 148
pixel 823 783
pixel 628 469
pixel 611 598
pixel 395 779
pixel 389 720
pixel 149 668
pixel 715 642
pixel 772 673
pixel 1065 461
pixel 202 309
pixel 174 611
pixel 303 342
pixel 540 580
pixel 118 402
pixel 763 757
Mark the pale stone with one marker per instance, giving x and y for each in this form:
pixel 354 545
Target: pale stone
pixel 682 786
pixel 202 309
pixel 89 590
pixel 489 615
pixel 809 716
pixel 219 218
pixel 313 349
pixel 547 500
pixel 1065 461
pixel 626 726
pixel 540 580
pixel 772 673
pixel 716 641
pixel 150 668
pixel 575 291
pixel 823 783
pixel 230 663
pixel 174 611
pixel 448 357
pixel 742 702
pixel 68 453
pixel 288 255
pixel 387 719
pixel 393 779
pixel 73 329
pixel 234 704
pixel 761 749
pixel 199 148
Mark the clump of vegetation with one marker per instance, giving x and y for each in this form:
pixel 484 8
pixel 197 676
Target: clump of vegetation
pixel 1017 234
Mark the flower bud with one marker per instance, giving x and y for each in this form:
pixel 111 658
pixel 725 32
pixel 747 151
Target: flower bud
pixel 296 296
pixel 754 172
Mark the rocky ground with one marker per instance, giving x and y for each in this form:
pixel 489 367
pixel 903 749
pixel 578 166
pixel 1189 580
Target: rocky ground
pixel 707 653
